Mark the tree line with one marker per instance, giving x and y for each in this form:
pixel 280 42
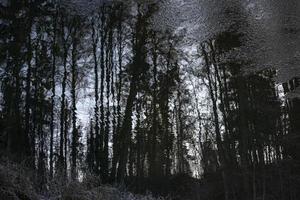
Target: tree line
pixel 49 55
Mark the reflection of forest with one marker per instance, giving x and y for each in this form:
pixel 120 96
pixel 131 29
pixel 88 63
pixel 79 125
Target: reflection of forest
pixel 183 100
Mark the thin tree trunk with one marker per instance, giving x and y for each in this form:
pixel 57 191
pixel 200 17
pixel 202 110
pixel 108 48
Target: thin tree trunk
pixel 74 118
pixel 53 96
pixel 109 57
pixel 28 92
pixel 63 100
pixel 96 110
pixel 153 148
pixel 99 155
pixel 119 90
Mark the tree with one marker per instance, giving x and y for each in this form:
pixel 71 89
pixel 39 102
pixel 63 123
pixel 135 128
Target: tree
pixel 137 69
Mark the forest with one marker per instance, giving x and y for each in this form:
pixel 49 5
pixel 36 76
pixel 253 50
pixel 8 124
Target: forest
pixel 149 100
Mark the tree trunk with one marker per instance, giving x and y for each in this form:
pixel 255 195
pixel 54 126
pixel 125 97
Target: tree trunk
pixel 53 95
pixel 125 134
pixel 119 93
pixel 213 95
pixel 96 110
pixel 73 95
